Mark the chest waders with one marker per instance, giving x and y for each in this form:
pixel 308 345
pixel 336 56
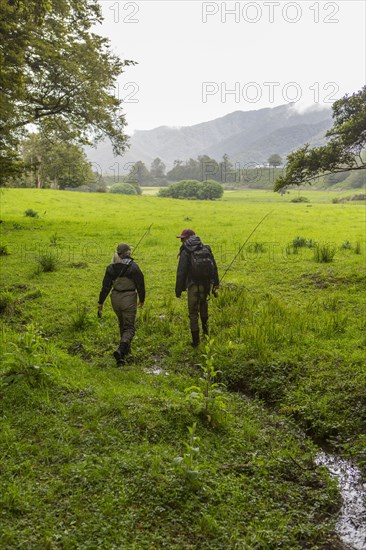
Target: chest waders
pixel 198 307
pixel 124 303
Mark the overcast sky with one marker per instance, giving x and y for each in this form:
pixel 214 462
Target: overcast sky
pixel 201 60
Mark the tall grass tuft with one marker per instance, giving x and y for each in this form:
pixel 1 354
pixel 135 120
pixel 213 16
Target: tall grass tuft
pixel 47 262
pixel 324 253
pixel 358 247
pixel 81 320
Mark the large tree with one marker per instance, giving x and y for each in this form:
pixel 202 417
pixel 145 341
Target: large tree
pixel 157 168
pixel 57 74
pixel 342 153
pixel 138 175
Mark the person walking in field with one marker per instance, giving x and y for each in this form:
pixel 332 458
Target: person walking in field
pixel 197 273
pixel 126 280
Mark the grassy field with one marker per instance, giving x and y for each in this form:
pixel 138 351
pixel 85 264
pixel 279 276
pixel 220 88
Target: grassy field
pixel 90 452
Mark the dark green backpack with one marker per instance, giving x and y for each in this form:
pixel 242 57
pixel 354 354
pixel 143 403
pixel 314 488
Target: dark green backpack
pixel 202 266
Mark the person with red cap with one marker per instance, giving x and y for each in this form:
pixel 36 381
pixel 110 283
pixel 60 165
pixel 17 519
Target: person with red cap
pixel 197 273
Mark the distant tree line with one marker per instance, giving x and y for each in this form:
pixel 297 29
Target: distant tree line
pixel 201 169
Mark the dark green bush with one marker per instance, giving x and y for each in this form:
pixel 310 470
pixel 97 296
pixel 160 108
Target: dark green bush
pixel 193 189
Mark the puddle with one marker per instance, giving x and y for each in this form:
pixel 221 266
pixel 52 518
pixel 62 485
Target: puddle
pixel 156 370
pixel 351 524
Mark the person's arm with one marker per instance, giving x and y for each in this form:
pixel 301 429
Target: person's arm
pixel 106 286
pixel 139 280
pixel 182 272
pixel 215 277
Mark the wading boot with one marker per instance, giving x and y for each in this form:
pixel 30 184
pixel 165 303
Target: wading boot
pixel 205 326
pixel 121 353
pixel 195 338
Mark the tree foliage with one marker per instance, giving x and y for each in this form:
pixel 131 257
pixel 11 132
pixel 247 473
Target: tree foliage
pixel 201 169
pixel 275 160
pixel 343 151
pixel 192 189
pixel 57 74
pixel 157 168
pixel 55 162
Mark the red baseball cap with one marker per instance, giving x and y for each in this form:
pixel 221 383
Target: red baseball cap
pixel 185 234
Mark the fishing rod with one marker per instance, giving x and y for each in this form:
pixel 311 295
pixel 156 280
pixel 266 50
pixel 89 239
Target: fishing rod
pixel 242 246
pixel 143 236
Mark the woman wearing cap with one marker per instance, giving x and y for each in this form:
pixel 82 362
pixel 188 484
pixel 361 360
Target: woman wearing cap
pixel 126 280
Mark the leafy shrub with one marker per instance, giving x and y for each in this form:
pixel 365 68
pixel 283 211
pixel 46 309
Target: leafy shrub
pixel 4 250
pixel 193 189
pixel 324 253
pixel 123 189
pixel 47 262
pixel 31 213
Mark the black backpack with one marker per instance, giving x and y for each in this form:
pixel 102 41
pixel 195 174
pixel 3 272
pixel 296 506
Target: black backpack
pixel 202 266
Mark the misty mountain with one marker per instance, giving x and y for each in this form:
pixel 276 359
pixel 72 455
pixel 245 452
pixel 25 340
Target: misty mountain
pixel 246 136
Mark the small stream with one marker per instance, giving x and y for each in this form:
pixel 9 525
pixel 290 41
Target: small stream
pixel 351 524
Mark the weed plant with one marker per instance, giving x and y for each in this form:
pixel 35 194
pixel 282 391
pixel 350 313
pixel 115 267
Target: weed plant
pixel 324 253
pixel 24 360
pixel 208 398
pixel 187 464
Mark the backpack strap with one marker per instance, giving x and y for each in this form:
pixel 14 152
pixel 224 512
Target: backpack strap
pixel 124 269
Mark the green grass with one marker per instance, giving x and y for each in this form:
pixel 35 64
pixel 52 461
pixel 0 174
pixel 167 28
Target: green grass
pixel 88 450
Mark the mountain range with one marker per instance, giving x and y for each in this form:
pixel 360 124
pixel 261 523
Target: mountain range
pixel 245 136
